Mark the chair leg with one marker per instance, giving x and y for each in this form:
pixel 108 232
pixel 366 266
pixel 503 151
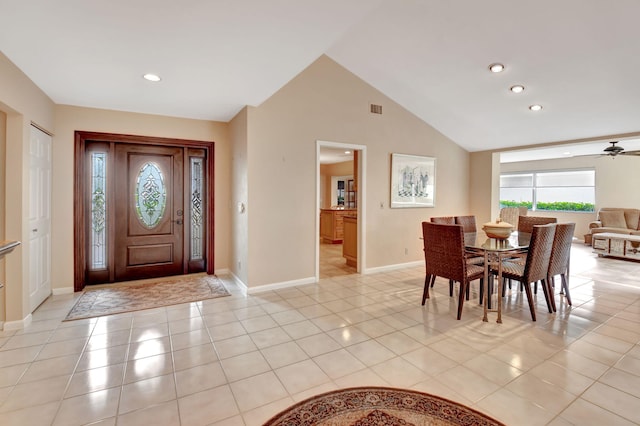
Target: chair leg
pixel 551 285
pixel 565 286
pixel 425 292
pixel 548 294
pixel 463 290
pixel 450 288
pixel 433 281
pixel 527 288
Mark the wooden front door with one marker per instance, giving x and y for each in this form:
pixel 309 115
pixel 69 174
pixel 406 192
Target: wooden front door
pixel 143 207
pixel 149 211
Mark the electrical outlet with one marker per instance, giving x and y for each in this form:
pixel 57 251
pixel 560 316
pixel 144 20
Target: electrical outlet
pixel 239 265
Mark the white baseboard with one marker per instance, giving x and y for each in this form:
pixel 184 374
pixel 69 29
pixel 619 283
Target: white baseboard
pixel 395 267
pixel 17 325
pixel 241 285
pixel 278 286
pixel 62 290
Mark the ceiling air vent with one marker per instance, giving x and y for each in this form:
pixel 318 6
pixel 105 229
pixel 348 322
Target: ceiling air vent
pixel 376 109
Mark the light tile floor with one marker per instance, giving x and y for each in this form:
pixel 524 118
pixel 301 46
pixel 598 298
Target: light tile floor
pixel 240 359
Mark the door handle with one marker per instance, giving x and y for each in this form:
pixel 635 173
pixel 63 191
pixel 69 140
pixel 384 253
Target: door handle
pixel 177 222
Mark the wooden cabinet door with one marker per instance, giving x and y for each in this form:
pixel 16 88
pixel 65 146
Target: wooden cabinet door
pixel 149 211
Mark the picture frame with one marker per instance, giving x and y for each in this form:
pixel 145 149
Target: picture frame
pixel 413 181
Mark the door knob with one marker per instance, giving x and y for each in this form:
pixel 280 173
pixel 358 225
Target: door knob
pixel 177 222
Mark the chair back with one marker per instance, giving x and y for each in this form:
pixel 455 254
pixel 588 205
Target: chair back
pixel 447 220
pixel 561 249
pixel 526 223
pixel 444 251
pixel 539 253
pixel 511 215
pixel 468 223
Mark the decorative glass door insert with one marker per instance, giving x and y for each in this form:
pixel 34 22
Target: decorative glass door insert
pixel 151 195
pixel 98 235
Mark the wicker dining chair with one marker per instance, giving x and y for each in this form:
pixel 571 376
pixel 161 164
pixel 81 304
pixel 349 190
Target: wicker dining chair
pixel 468 223
pixel 445 257
pixel 446 220
pixel 511 215
pixel 559 261
pixel 536 266
pixel 526 223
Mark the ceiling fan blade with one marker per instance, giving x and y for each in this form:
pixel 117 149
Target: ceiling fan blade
pixel 631 152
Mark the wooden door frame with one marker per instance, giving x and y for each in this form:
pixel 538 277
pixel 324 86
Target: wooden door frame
pixel 80 186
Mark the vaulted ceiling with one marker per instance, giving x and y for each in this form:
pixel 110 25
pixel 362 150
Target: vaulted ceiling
pixel 578 59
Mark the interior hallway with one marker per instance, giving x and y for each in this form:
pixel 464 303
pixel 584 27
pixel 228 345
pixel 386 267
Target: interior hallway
pixel 332 264
pixel 238 360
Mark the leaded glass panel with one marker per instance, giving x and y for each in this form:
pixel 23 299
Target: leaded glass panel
pixel 98 233
pixel 196 209
pixel 150 195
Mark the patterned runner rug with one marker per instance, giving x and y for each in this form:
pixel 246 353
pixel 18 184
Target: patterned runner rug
pixel 136 297
pixel 374 406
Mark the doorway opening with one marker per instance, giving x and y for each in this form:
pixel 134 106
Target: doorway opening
pixel 143 207
pixel 340 220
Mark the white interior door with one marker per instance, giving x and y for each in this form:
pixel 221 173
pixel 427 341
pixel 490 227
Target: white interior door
pixel 39 217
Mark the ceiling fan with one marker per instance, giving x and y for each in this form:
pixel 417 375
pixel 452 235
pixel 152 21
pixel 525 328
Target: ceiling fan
pixel 614 150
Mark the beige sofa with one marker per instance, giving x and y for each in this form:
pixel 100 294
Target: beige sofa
pixel 618 220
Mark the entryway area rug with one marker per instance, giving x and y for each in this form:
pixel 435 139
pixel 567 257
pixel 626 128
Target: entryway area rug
pixel 135 297
pixel 374 406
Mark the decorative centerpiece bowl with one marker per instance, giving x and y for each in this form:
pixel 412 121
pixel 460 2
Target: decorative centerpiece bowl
pixel 498 229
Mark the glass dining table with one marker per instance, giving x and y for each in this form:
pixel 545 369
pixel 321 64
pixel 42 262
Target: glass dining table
pixel 494 252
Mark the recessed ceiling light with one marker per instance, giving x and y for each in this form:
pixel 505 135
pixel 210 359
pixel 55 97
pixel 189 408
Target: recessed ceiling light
pixel 347 152
pixel 566 153
pixel 152 77
pixel 535 107
pixel 517 88
pixel 497 67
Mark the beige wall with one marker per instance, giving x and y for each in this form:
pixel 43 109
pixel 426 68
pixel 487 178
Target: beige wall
pixel 23 103
pixel 69 119
pixel 326 102
pixel 3 182
pixel 239 243
pixel 484 179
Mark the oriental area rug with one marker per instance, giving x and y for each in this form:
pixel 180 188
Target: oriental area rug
pixel 375 406
pixel 135 297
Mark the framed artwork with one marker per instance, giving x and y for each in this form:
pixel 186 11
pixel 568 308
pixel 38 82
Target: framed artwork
pixel 413 181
